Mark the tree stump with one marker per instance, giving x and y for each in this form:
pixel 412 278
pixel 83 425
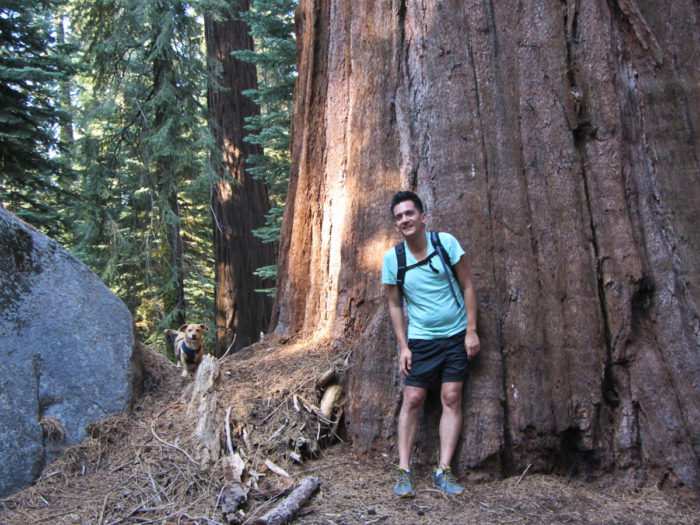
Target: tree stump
pixel 202 410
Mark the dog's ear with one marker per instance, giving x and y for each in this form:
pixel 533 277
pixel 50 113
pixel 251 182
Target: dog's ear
pixel 204 327
pixel 182 328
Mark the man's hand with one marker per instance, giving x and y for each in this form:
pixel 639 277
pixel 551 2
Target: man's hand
pixel 471 343
pixel 405 361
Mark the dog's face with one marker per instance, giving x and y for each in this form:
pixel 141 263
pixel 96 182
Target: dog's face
pixel 194 334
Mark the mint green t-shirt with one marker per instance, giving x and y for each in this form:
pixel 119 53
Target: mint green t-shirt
pixel 432 310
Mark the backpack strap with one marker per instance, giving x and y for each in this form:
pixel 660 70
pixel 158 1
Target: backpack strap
pixel 400 250
pixel 442 253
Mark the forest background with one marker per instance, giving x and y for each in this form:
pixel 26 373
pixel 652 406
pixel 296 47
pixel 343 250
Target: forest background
pixel 111 144
pixel 557 141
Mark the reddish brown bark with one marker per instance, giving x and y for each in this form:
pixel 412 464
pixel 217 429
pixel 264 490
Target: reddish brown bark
pixel 238 206
pixel 558 142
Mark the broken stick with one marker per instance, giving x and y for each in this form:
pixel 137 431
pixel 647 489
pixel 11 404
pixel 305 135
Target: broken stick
pixel 326 379
pixel 234 494
pixel 285 510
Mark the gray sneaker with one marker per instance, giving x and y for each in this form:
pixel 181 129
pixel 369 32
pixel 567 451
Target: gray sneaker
pixel 404 484
pixel 446 481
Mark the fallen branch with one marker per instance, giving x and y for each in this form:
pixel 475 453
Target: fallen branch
pixel 52 516
pixel 229 346
pixel 325 467
pixel 102 512
pixel 248 448
pixel 285 510
pixel 523 474
pixel 229 444
pixel 196 519
pixel 326 379
pixel 278 432
pixel 234 464
pixel 173 446
pixel 234 493
pixel 276 469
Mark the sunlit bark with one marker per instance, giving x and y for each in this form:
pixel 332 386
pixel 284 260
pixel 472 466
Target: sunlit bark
pixel 558 142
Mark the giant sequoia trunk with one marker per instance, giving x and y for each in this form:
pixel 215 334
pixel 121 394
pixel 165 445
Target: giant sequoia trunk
pixel 238 207
pixel 558 141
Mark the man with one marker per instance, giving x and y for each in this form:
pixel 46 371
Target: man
pixel 441 334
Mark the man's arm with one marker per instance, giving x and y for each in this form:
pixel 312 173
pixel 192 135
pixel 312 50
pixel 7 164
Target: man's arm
pixel 464 275
pixel 396 315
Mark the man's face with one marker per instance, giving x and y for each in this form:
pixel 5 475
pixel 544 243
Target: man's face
pixel 407 219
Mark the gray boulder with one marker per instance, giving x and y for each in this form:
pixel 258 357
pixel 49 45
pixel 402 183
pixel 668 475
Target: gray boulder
pixel 66 357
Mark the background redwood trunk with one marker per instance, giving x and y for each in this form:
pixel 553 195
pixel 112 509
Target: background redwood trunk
pixel 558 141
pixel 239 206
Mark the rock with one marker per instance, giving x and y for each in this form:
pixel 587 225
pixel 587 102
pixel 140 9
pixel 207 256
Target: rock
pixel 66 355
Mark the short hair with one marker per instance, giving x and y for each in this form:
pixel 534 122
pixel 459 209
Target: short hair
pixel 406 196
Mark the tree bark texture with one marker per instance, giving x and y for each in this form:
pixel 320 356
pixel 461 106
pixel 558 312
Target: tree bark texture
pixel 558 141
pixel 239 206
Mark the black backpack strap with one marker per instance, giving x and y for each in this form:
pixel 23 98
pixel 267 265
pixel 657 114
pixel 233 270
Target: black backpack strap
pixel 442 253
pixel 400 250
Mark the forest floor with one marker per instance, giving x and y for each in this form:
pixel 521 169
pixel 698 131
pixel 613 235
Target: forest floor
pixel 142 466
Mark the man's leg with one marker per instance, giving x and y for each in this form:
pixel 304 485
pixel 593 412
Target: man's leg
pixel 413 399
pixel 450 426
pixel 450 421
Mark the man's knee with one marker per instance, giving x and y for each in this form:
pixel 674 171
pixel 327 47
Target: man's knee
pixel 451 397
pixel 413 398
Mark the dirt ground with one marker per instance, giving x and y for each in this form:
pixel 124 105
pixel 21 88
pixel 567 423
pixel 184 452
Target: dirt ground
pixel 143 466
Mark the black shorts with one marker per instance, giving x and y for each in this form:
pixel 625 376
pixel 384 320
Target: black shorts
pixel 437 360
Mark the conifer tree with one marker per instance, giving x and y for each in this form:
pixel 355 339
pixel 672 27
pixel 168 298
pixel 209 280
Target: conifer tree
pixel 34 180
pixel 271 25
pixel 144 152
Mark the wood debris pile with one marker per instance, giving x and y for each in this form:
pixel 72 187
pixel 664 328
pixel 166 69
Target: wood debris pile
pixel 297 425
pixel 223 448
pixel 267 436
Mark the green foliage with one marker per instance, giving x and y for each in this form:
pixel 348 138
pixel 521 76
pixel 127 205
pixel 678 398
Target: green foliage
pixel 35 182
pixel 105 144
pixel 271 24
pixel 266 272
pixel 143 157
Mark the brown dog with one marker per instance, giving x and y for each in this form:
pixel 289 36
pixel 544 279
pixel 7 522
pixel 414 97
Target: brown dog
pixel 188 346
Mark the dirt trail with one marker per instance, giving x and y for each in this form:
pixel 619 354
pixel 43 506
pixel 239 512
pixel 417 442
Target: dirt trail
pixel 138 467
